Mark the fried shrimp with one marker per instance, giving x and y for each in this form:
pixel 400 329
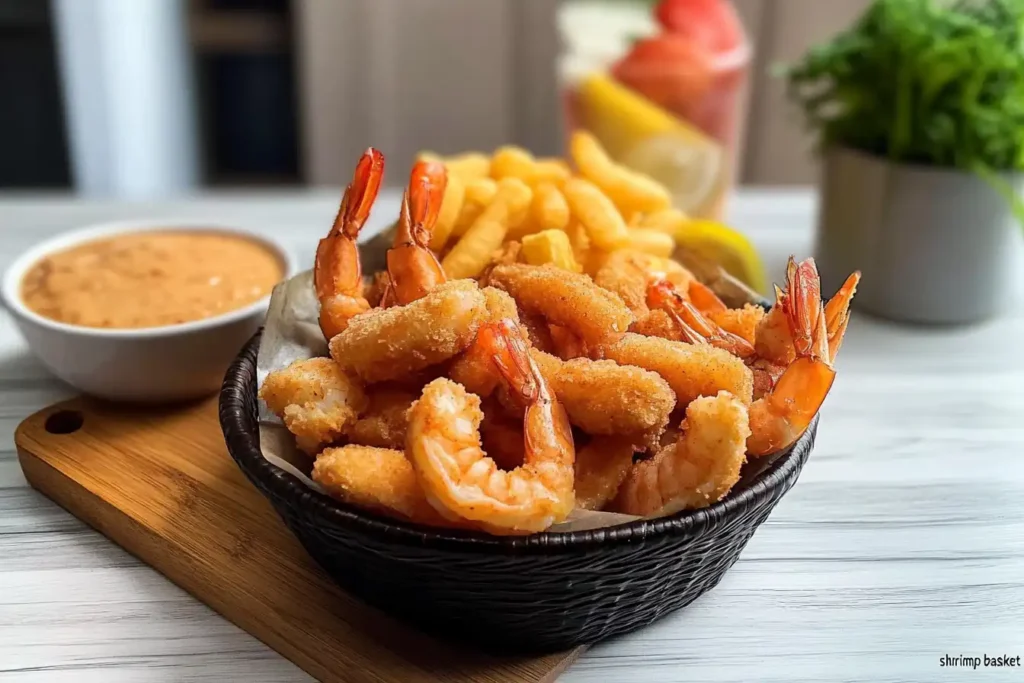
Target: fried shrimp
pixel 743 322
pixel 567 345
pixel 698 470
pixel 690 323
pixel 502 436
pixel 500 305
pixel 673 317
pixel 782 415
pixel 380 479
pixel 538 331
pixel 413 268
pixel 657 323
pixel 603 397
pixel 391 343
pixel 316 401
pixel 461 481
pixel 474 368
pixel 691 371
pixel 337 273
pixel 570 300
pixel 384 421
pixel 601 467
pixel 774 340
pixel 627 272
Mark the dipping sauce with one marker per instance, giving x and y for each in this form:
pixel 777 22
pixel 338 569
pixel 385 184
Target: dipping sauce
pixel 151 279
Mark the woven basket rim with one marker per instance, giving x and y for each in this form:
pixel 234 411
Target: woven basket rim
pixel 243 445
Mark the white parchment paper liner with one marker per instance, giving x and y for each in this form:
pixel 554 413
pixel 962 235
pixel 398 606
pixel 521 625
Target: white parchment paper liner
pixel 292 333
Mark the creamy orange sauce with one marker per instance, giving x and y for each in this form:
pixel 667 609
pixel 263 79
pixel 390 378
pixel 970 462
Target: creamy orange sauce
pixel 150 279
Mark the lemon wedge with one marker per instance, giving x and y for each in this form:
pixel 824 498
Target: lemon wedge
pixel 641 135
pixel 691 172
pixel 728 248
pixel 620 118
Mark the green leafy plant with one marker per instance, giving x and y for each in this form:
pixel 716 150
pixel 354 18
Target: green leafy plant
pixel 923 82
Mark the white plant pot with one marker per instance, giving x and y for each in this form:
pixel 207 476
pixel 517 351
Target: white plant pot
pixel 934 246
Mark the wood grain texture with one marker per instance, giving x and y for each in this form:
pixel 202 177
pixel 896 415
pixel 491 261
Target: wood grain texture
pixel 901 542
pixel 161 484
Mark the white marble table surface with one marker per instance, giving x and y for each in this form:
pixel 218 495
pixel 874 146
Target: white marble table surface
pixel 902 542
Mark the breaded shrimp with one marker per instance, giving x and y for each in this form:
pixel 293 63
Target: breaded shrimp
pixel 571 300
pixel 474 368
pixel 601 467
pixel 538 331
pixel 698 470
pixel 567 345
pixel 629 284
pixel 385 420
pixel 379 479
pixel 687 323
pixel 500 305
pixel 461 482
pixel 337 273
pixel 691 324
pixel 502 436
pixel 316 400
pixel 628 271
pixel 691 371
pixel 603 397
pixel 743 322
pixel 391 343
pixel 657 323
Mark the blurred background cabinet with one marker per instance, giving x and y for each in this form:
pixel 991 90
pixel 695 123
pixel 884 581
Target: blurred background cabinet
pixel 291 91
pixel 33 144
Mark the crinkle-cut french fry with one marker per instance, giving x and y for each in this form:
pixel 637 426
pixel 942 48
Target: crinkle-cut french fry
pixel 469 166
pixel 598 214
pixel 651 242
pixel 579 239
pixel 516 162
pixel 553 171
pixel 479 192
pixel 512 162
pixel 548 211
pixel 451 207
pixel 550 246
pixel 632 192
pixel 473 251
pixel 668 221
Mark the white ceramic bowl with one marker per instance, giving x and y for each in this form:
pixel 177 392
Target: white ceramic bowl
pixel 149 365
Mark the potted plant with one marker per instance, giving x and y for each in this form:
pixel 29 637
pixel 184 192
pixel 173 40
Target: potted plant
pixel 918 110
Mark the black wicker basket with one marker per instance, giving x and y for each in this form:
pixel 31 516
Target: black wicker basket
pixel 530 594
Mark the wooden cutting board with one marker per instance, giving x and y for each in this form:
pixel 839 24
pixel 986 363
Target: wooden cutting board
pixel 161 484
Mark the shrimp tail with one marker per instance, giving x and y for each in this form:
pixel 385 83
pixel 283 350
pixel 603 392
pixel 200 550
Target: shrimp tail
pixel 693 326
pixel 427 183
pixel 412 267
pixel 837 313
pixel 704 298
pixel 361 193
pixel 337 272
pixel 802 302
pixel 780 417
pixel 511 356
